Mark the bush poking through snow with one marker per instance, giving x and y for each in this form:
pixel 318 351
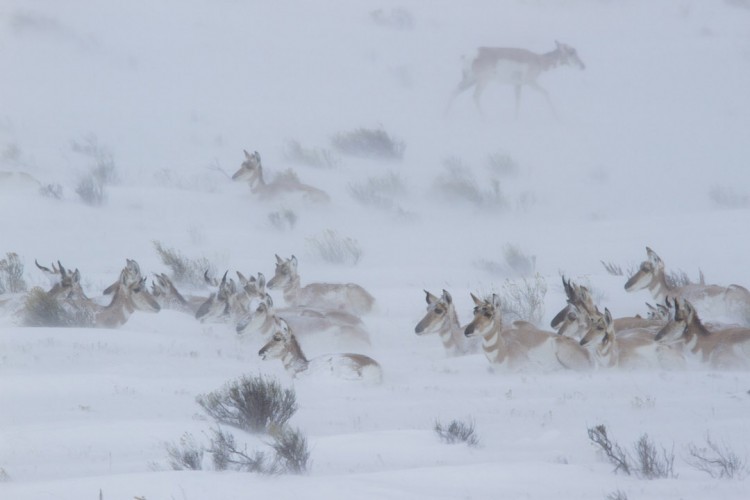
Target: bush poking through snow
pixel 617 495
pixel 252 403
pixel 503 165
pixel 90 187
pixel 718 461
pixel 11 274
pixel 283 219
pixel 187 455
pixel 321 158
pixel 674 278
pixel 53 190
pixel 458 184
pixel 646 461
pixel 378 192
pixel 369 143
pixel 524 299
pixel 727 197
pixel 291 454
pixel 40 309
pixel 185 271
pixel 335 249
pixel 91 190
pixel 457 431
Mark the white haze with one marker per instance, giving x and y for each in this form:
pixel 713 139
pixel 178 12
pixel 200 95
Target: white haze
pixel 175 90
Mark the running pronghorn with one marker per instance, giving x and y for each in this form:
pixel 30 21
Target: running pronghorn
pixel 727 347
pixel 285 183
pixel 522 344
pixel 441 318
pixel 340 328
pixel 629 349
pixel 731 303
pixel 347 297
pixel 512 66
pixel 283 345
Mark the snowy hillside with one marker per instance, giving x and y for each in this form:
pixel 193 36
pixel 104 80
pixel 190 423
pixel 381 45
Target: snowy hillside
pixel 649 147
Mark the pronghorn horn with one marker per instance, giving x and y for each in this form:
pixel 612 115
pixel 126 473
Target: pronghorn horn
pixel 45 269
pixel 224 278
pixel 447 296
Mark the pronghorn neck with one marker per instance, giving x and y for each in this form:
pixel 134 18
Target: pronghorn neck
pixel 493 344
pixel 294 359
pixel 607 351
pixel 451 333
pixel 117 312
pixel 659 288
pixel 291 289
pixel 268 325
pixel 695 335
pixel 549 60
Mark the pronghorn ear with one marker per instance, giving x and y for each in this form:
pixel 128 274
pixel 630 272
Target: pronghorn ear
pixel 496 301
pixel 293 260
pixel 241 277
pixel 111 288
pixel 224 278
pixel 76 276
pixel 261 281
pixel 477 301
pixel 607 316
pixel 247 155
pixel 430 298
pixel 447 296
pixel 269 300
pixel 279 260
pixel 557 44
pixel 652 256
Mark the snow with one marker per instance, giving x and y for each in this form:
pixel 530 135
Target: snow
pixel 174 91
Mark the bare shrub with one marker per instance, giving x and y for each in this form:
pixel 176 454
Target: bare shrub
pixel 458 184
pixel 184 270
pixel 617 495
pixel 227 454
pixel 516 262
pixel 11 274
pixel 457 431
pixel 524 299
pixel 255 404
pixel 727 197
pixel 291 453
pixel 335 249
pixel 53 190
pixel 186 455
pixel 646 461
pixel 313 157
pixel 616 269
pixel 379 191
pixel 91 190
pixel 4 476
pixel 717 460
pixel 502 164
pixel 398 18
pixel 369 143
pixel 40 309
pixel 283 219
pixel 103 167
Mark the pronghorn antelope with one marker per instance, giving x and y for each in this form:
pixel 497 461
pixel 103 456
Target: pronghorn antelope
pixel 343 329
pixel 727 347
pixel 630 349
pixel 65 284
pixel 168 297
pixel 348 297
pixel 232 302
pixel 522 345
pixel 730 303
pixel 131 273
pixel 512 66
pixel 441 318
pixel 127 297
pixel 285 183
pixel 283 345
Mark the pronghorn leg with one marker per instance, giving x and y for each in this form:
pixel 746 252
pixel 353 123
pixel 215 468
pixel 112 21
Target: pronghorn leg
pixel 518 99
pixel 478 90
pixel 540 89
pixel 465 84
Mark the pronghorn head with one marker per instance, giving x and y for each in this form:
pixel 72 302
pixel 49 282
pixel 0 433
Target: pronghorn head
pixel 487 313
pixel 253 287
pixel 279 343
pixel 250 170
pixel 140 297
pixel 601 325
pixel 66 283
pixel 659 312
pixel 286 271
pixel 650 270
pixel 677 327
pixel 164 290
pixel 259 317
pixel 438 309
pixel 568 56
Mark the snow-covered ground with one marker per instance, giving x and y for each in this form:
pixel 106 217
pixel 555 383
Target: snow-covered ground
pixel 650 148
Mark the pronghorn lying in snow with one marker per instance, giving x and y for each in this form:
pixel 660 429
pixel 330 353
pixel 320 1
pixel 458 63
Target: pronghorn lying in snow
pixel 344 328
pixel 633 348
pixel 283 345
pixel 719 347
pixel 717 302
pixel 522 344
pixel 168 297
pixel 348 297
pixel 286 183
pixel 230 302
pixel 512 66
pixel 65 284
pixel 441 317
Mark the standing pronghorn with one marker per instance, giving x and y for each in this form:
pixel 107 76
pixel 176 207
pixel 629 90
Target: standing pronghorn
pixel 441 317
pixel 512 66
pixel 284 345
pixel 715 302
pixel 523 344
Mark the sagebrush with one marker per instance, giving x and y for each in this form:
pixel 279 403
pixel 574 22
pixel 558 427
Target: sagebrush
pixel 253 403
pixel 11 274
pixel 379 191
pixel 523 299
pixel 41 309
pixel 457 431
pixel 369 143
pixel 717 460
pixel 185 271
pixel 333 248
pixel 646 460
pixel 313 157
pixel 458 184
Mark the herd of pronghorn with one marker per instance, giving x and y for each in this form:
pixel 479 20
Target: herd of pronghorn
pixel 671 336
